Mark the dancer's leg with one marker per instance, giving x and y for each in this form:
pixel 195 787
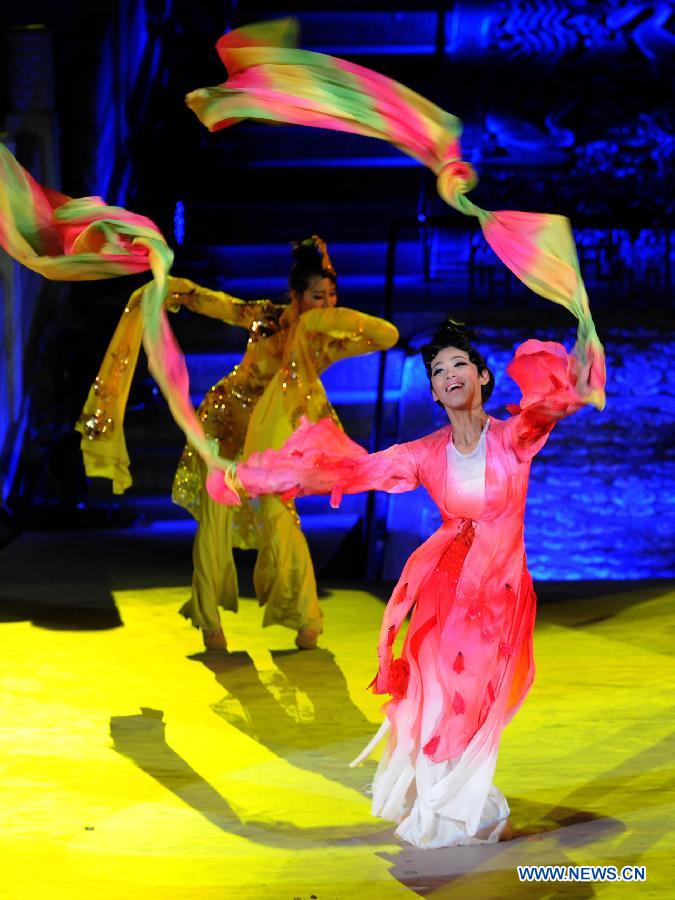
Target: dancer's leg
pixel 284 575
pixel 214 579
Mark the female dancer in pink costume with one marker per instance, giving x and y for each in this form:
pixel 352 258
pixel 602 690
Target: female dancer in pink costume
pixel 466 663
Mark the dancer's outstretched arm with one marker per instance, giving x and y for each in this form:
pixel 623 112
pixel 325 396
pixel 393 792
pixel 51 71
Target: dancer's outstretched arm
pixel 347 332
pixel 555 384
pixel 319 458
pixel 220 305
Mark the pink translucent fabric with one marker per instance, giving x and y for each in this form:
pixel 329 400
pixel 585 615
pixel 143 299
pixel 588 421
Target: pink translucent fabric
pixel 484 616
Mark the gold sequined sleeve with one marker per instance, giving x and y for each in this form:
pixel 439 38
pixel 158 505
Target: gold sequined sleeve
pixel 101 422
pixel 219 305
pixel 340 332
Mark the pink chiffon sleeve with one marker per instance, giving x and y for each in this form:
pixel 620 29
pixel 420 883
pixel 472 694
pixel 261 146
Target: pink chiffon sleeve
pixel 319 458
pixel 554 384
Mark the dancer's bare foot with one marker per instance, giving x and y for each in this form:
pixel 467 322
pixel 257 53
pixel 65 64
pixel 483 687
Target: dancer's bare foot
pixel 306 638
pixel 214 640
pixel 508 832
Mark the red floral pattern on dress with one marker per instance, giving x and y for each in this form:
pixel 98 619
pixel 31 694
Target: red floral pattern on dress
pixel 399 675
pixel 400 594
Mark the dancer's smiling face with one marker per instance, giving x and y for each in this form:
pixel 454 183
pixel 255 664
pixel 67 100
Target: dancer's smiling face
pixel 320 293
pixel 455 381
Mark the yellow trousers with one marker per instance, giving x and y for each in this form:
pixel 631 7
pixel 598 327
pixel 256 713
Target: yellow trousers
pixel 283 576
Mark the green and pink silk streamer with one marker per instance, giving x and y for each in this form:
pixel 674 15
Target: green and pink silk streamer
pixel 271 80
pixel 83 239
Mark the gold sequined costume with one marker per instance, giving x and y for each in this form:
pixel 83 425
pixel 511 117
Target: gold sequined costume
pixel 255 407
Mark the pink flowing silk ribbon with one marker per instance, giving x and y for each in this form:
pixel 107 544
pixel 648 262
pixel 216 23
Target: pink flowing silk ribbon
pixel 271 80
pixel 83 239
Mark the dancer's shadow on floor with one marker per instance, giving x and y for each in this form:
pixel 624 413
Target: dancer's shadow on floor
pixel 543 835
pixel 489 870
pixel 475 875
pixel 101 615
pixel 531 819
pixel 301 711
pixel 141 739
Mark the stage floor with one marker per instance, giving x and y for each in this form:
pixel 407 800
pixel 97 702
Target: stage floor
pixel 136 766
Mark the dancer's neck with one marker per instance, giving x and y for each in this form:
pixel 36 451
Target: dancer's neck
pixel 467 427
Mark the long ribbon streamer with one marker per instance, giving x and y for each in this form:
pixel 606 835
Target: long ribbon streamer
pixel 66 239
pixel 271 80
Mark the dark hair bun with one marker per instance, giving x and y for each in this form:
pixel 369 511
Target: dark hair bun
pixel 454 334
pixel 310 259
pixel 307 254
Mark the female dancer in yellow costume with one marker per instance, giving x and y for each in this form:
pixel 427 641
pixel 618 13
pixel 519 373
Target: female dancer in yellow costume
pixel 256 407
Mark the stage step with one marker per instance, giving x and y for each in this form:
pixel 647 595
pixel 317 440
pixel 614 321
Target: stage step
pixel 351 259
pixel 233 221
pixel 252 188
pixel 378 32
pixel 159 507
pixel 207 368
pixel 329 532
pixel 413 295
